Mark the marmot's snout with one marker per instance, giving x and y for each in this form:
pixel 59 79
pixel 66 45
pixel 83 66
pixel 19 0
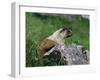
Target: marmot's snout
pixel 69 32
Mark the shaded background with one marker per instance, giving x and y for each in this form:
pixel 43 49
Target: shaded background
pixel 42 25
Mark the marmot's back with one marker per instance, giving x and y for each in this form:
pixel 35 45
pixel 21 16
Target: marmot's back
pixel 45 46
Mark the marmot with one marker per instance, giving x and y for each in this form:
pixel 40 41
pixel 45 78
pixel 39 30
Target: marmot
pixel 56 38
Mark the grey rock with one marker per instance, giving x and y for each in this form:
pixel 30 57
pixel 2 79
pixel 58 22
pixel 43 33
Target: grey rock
pixel 71 54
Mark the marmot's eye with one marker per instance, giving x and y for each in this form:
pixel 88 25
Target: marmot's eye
pixel 63 29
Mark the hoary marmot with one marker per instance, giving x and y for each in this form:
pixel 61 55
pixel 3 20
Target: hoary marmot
pixel 56 38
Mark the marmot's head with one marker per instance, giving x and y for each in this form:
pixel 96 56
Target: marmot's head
pixel 63 33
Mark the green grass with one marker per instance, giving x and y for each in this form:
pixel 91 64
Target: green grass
pixel 39 27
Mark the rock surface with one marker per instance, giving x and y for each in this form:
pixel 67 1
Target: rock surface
pixel 68 55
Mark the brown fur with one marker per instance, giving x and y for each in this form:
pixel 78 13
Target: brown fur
pixel 45 46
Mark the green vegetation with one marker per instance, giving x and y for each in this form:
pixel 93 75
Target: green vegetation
pixel 40 26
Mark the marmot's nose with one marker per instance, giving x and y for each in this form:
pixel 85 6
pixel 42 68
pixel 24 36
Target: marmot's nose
pixel 69 31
